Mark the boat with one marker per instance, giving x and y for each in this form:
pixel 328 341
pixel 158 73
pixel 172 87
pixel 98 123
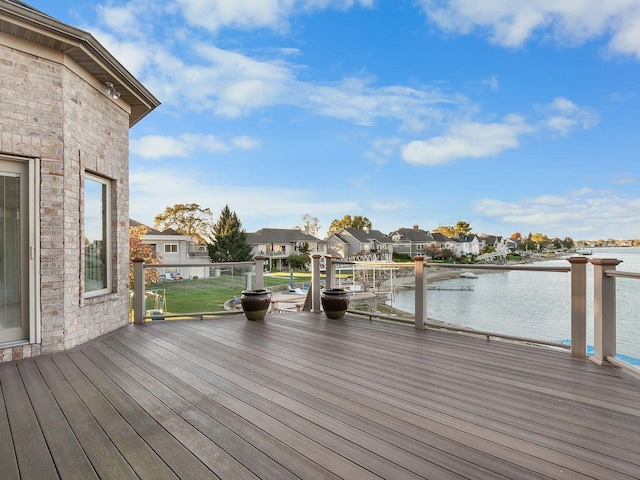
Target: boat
pixel 468 275
pixel 584 251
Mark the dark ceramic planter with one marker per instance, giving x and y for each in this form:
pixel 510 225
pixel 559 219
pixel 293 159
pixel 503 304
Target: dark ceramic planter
pixel 255 303
pixel 335 302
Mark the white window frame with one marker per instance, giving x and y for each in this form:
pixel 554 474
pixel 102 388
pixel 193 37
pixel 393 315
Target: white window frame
pixel 107 235
pixel 170 250
pixel 35 333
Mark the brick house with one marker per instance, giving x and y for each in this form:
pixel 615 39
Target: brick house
pixel 66 106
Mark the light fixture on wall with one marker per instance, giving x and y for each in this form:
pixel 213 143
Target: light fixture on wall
pixel 111 90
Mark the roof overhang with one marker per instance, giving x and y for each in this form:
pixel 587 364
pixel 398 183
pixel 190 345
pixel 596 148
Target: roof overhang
pixel 19 20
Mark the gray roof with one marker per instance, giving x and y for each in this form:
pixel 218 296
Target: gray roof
pixel 418 235
pixel 414 235
pixel 19 20
pixel 440 237
pixel 364 236
pixel 280 235
pixel 153 231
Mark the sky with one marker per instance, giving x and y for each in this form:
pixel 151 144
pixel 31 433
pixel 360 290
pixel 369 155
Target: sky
pixel 512 116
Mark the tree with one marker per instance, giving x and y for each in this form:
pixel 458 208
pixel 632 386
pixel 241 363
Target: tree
pixel 298 261
pixel 516 236
pixel 309 225
pixel 229 239
pixel 304 249
pixel 186 219
pixel 358 222
pixel 568 243
pixel 137 249
pixel 446 230
pixel 462 228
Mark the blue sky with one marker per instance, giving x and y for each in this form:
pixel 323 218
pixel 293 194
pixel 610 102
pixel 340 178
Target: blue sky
pixel 509 115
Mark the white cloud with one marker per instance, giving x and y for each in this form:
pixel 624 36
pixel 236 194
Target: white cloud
pixel 257 206
pixel 244 142
pixel 564 116
pixel 251 14
pixel 153 147
pixel 588 214
pixel 123 19
pixel 624 179
pixel 382 150
pixel 468 140
pixel 357 99
pixel 492 82
pixel 512 23
pixel 133 54
pixel 206 78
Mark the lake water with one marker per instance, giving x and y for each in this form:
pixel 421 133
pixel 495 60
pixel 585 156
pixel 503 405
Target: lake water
pixel 534 304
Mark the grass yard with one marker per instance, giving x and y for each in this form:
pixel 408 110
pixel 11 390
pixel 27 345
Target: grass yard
pixel 209 294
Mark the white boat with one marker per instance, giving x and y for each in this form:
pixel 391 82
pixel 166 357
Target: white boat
pixel 584 251
pixel 468 275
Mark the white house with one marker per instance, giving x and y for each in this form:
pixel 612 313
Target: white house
pixel 467 245
pixel 172 247
pixel 278 243
pixel 361 245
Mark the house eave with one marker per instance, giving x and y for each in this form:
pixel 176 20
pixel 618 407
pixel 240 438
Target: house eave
pixel 23 22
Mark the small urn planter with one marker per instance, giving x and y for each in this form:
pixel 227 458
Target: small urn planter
pixel 335 302
pixel 255 303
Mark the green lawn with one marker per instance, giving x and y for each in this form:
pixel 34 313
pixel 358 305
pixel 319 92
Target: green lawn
pixel 209 294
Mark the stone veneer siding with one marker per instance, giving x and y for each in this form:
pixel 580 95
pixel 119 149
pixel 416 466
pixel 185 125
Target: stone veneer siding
pixel 50 112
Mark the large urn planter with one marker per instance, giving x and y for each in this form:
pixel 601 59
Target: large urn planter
pixel 335 302
pixel 255 303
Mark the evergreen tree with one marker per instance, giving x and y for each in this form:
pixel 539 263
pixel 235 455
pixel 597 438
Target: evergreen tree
pixel 229 239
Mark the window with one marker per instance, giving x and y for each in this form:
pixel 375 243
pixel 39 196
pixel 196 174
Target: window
pixel 97 247
pixel 171 248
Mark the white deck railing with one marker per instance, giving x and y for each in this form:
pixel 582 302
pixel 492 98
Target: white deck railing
pixel 604 288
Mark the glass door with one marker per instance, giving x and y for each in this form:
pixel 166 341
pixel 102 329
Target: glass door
pixel 14 250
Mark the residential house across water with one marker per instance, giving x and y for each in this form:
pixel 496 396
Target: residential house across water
pixel 278 243
pixel 361 245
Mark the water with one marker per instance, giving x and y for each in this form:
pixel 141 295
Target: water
pixel 534 304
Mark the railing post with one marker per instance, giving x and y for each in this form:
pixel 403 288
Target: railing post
pixel 604 309
pixel 138 290
pixel 421 297
pixel 259 272
pixel 578 306
pixel 315 282
pixel 330 271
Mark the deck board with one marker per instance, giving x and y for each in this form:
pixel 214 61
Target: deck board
pixel 300 396
pixel 32 455
pixel 66 451
pixel 8 460
pixel 103 454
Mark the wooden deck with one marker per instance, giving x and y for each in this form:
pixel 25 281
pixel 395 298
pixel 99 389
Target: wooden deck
pixel 300 396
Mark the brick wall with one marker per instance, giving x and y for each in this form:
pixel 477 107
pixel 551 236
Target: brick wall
pixel 49 111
